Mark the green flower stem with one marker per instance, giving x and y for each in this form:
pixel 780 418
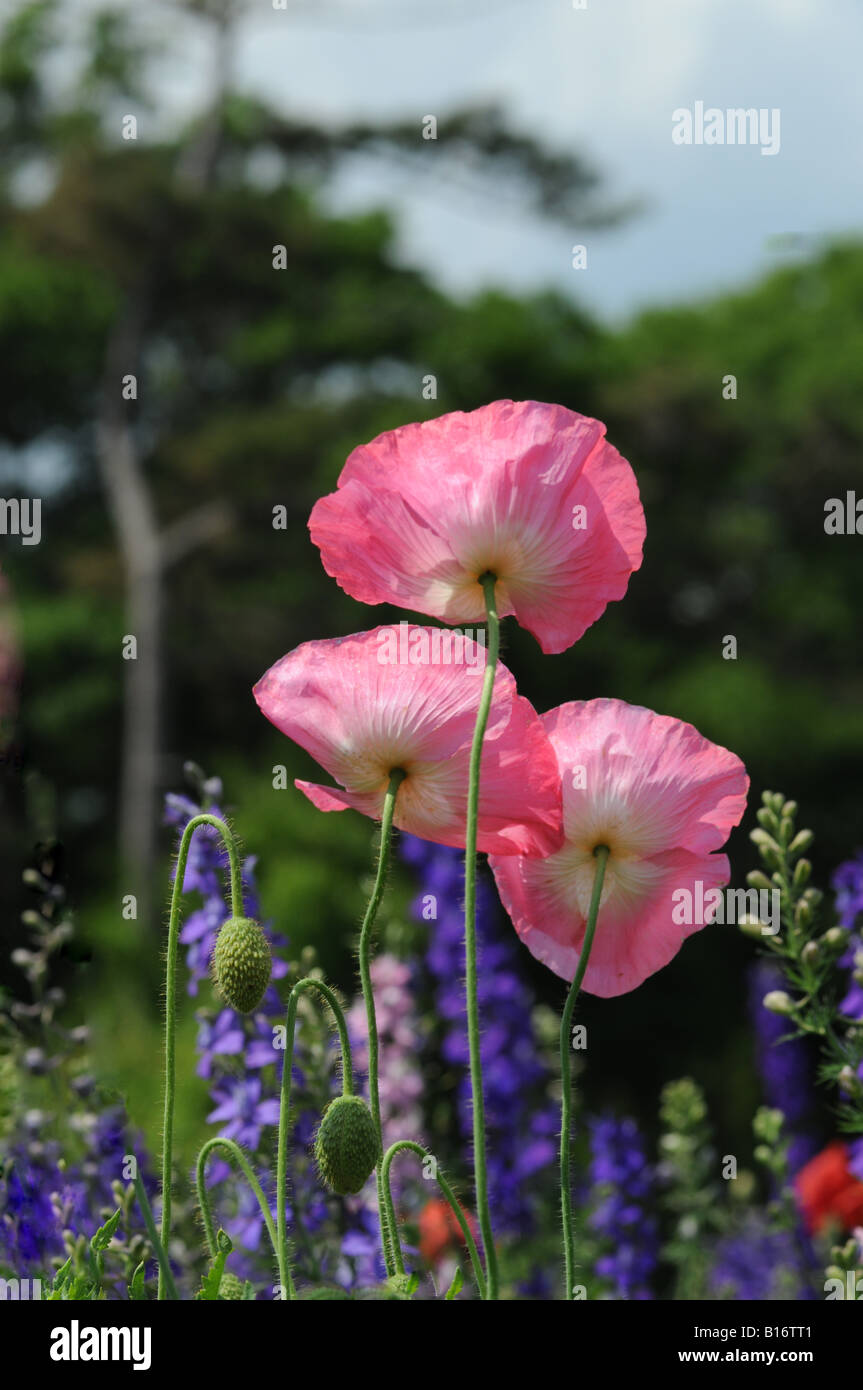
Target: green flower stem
pixel 488 582
pixel 301 987
pixel 171 1002
pixel 170 1288
pixel 601 853
pixel 397 776
pixel 235 1153
pixel 407 1145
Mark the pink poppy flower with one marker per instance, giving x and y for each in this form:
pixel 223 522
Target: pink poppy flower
pixel 663 799
pixel 367 704
pixel 529 492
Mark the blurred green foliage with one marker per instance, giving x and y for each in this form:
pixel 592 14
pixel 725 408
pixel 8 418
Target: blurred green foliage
pixel 254 386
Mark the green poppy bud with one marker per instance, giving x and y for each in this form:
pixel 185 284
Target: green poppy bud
pixel 346 1145
pixel 241 964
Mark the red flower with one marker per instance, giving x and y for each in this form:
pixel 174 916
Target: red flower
pixel 828 1191
pixel 439 1230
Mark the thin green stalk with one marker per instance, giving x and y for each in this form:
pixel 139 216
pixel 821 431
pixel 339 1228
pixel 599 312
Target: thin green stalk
pixel 488 582
pixel 236 1153
pixel 171 1001
pixel 158 1248
pixel 601 853
pixel 301 987
pixel 397 776
pixel 409 1146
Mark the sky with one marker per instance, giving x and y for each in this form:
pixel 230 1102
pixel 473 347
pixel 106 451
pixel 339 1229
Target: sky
pixel 602 81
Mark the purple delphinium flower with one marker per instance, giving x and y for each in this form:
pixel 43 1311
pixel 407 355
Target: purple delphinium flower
pixel 400 1083
pixel 785 1066
pixel 400 1087
pixel 521 1135
pixel 241 1106
pixel 847 883
pixel 40 1200
pixel 622 1189
pixel 30 1233
pixel 758 1263
pixel 242 1111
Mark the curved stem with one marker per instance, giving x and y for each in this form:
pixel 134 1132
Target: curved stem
pixel 488 582
pixel 601 853
pixel 408 1145
pixel 397 776
pixel 171 1000
pixel 301 987
pixel 236 1153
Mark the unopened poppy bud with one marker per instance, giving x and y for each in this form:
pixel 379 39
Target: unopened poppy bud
pixel 751 926
pixel 789 810
pixel 767 819
pixel 849 1081
pixel 242 964
pixel 778 1002
pixel 346 1145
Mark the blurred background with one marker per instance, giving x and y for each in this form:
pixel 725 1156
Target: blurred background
pixel 166 386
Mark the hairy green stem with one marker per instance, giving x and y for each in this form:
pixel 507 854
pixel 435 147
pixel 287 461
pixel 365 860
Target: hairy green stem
pixel 301 987
pixel 236 1153
pixel 397 776
pixel 170 1288
pixel 601 853
pixel 408 1145
pixel 171 1001
pixel 488 582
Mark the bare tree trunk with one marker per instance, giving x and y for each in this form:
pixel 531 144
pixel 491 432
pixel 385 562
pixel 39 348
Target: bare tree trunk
pixel 137 532
pixel 146 552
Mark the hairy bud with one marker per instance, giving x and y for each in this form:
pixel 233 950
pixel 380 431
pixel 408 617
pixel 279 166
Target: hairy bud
pixel 346 1146
pixel 241 964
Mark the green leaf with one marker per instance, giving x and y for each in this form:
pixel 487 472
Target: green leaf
pixel 455 1287
pixel 224 1242
pixel 403 1285
pixel 105 1234
pixel 137 1288
pixel 209 1290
